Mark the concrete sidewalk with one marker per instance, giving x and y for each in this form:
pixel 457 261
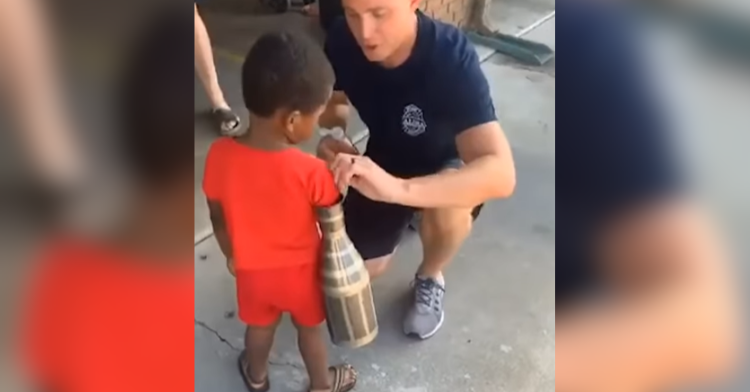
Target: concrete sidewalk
pixel 499 332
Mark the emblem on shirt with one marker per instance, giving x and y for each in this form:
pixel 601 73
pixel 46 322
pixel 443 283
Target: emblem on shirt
pixel 412 121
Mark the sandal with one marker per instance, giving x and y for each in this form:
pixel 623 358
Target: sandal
pixel 339 378
pixel 251 385
pixel 227 120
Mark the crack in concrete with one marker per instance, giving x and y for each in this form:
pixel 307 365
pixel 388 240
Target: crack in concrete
pixel 272 362
pixel 291 364
pixel 216 333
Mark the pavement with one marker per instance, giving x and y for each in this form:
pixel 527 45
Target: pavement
pixel 499 333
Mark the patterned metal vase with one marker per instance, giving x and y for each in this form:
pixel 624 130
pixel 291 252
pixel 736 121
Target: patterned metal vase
pixel 350 309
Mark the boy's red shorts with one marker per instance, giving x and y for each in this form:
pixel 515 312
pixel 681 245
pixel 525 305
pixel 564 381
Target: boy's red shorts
pixel 263 295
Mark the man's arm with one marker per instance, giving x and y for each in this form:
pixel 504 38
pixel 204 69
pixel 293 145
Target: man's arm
pixel 489 170
pixel 336 114
pixel 489 173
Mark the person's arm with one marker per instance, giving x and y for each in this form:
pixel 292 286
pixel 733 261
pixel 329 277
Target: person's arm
pixel 336 113
pixel 28 70
pixel 334 120
pixel 667 316
pixel 219 226
pixel 489 171
pixel 321 188
pixel 212 188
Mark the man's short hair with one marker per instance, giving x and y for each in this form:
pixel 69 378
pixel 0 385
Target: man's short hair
pixel 286 70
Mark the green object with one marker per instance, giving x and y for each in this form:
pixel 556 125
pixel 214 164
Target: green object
pixel 525 51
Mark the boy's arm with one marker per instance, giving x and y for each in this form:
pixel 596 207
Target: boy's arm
pixel 322 187
pixel 212 188
pixel 220 228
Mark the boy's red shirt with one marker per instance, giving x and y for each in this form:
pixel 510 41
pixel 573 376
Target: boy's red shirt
pixel 98 320
pixel 269 200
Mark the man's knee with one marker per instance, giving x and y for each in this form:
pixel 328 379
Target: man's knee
pixel 446 222
pixel 376 267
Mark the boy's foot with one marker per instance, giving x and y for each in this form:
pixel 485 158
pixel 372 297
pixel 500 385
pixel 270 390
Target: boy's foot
pixel 227 121
pixel 426 315
pixel 343 379
pixel 251 385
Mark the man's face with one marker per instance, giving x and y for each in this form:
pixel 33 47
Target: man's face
pixel 379 25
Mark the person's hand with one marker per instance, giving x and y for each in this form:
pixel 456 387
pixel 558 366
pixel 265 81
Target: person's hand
pixel 366 177
pixel 330 146
pixel 230 267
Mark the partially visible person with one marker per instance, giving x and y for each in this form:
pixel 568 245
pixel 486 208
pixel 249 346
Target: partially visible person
pixel 262 193
pixel 644 293
pixel 227 121
pixel 32 88
pixel 115 313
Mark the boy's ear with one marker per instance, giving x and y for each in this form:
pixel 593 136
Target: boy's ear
pixel 292 119
pixel 289 119
pixel 295 116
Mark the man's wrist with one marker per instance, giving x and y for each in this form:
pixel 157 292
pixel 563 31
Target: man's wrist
pixel 403 192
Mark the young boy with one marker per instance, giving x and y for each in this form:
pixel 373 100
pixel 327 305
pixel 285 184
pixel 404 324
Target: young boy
pixel 262 194
pixel 116 313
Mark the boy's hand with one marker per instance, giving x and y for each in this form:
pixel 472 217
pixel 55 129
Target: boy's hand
pixel 230 267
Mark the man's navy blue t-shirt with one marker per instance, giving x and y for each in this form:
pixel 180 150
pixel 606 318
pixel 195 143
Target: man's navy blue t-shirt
pixel 612 153
pixel 415 111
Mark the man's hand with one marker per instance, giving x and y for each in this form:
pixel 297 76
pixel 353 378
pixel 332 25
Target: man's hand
pixel 366 177
pixel 330 146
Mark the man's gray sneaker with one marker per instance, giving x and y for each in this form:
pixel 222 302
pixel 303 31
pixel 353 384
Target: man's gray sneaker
pixel 426 315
